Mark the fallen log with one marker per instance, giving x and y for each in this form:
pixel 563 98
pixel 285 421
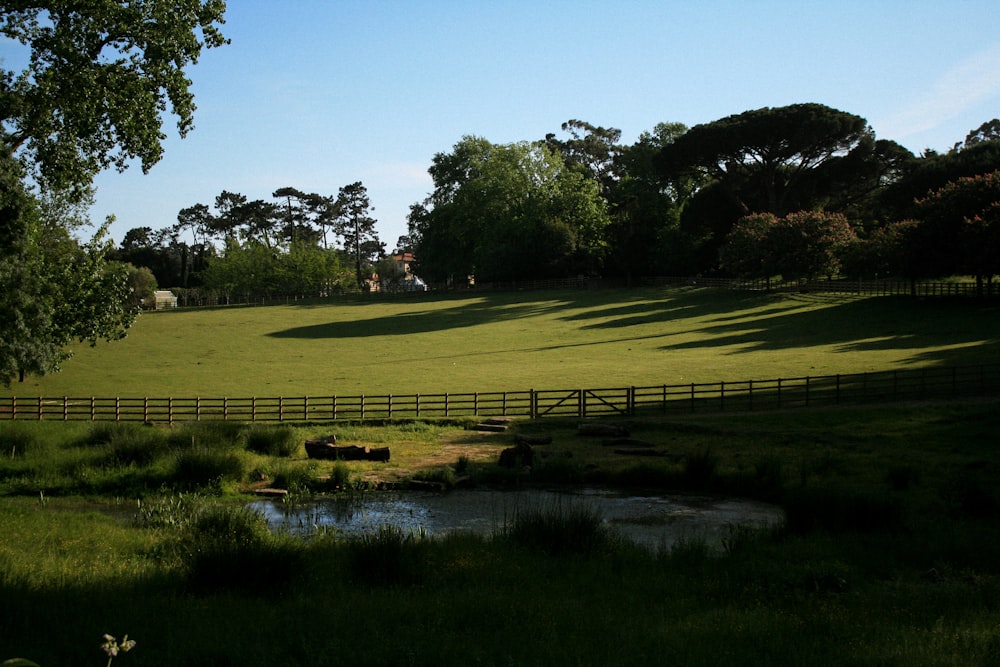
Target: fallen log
pixel 327 449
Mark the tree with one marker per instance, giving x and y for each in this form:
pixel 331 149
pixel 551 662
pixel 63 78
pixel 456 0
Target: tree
pixel 774 160
pixel 97 80
pixel 643 235
pixel 357 229
pixel 800 245
pixel 961 222
pixel 761 156
pixel 507 212
pixel 52 289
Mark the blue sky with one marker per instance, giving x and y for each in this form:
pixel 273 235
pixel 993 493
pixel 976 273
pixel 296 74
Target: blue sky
pixel 319 94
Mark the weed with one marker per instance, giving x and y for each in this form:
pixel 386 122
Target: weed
pixel 230 548
pixel 204 467
pixel 388 556
pixel 558 530
pixel 272 441
pixel 442 475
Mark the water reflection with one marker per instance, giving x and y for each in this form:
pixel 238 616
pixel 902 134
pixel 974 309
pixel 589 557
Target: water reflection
pixel 653 520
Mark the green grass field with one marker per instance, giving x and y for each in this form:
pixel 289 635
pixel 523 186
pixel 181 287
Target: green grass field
pixel 518 341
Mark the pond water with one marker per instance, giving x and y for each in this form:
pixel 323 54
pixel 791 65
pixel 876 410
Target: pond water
pixel 653 520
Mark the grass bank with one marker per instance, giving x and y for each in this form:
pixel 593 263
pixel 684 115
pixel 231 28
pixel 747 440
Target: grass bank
pixel 890 555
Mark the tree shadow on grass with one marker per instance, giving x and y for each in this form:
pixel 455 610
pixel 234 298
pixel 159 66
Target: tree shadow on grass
pixel 951 332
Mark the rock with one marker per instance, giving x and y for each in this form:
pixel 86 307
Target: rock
pixel 520 455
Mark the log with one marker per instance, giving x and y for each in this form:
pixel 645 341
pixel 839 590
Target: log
pixel 327 449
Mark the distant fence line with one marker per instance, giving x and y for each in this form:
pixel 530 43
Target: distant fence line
pixel 194 297
pixel 747 395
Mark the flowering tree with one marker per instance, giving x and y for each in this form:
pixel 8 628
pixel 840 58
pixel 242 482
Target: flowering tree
pixel 961 221
pixel 800 245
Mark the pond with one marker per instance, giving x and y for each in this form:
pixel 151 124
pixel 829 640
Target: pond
pixel 649 519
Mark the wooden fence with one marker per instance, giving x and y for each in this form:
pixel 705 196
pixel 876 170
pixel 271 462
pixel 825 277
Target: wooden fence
pixel 747 395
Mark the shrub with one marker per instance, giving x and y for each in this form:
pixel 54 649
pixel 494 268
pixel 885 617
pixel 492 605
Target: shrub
pixel 16 442
pixel 272 441
pixel 230 548
pixel 387 557
pixel 196 467
pixel 575 529
pixel 294 477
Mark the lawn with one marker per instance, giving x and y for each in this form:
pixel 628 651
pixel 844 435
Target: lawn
pixel 521 340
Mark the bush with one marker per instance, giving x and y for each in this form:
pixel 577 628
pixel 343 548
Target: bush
pixel 231 548
pixel 272 441
pixel 558 530
pixel 196 467
pixel 16 442
pixel 387 557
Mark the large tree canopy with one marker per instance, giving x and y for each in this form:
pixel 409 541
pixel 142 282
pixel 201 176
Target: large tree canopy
pixel 98 78
pixel 52 289
pixel 760 156
pixel 508 211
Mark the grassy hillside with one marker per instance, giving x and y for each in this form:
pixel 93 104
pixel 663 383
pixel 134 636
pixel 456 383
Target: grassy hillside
pixel 515 341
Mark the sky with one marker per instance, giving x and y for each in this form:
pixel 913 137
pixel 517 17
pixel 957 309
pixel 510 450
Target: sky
pixel 318 94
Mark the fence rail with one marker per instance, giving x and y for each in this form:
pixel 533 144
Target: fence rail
pixel 746 395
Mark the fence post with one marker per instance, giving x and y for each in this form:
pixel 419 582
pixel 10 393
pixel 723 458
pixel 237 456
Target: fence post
pixel 692 397
pixel 170 409
pixel 65 408
pixel 417 404
pixel 40 408
pixel 225 408
pixel 631 400
pixel 253 408
pixel 197 408
pixel 281 408
pixel 447 404
pixel 118 413
pixel 750 395
pixel 532 404
pixel 722 396
pixel 388 405
pixel 93 408
pixel 581 403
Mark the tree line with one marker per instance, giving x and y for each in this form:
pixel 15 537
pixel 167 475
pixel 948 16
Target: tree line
pixel 297 243
pixel 797 192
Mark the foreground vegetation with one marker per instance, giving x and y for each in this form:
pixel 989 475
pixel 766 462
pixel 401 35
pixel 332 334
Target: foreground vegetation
pixel 889 555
